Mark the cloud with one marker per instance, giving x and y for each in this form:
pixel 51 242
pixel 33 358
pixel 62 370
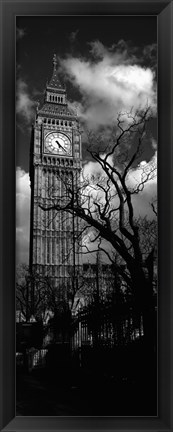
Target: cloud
pixel 24 104
pixel 150 53
pixel 20 33
pixel 142 200
pixel 153 143
pixel 125 52
pixel 109 82
pixel 93 169
pixel 120 52
pixel 73 36
pixel 141 171
pixel 22 216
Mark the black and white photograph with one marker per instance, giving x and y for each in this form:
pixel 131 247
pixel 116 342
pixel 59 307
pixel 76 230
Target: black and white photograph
pixel 86 216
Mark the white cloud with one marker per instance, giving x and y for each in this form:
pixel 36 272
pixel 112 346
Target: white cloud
pixel 22 215
pixel 94 168
pixel 154 143
pixel 24 104
pixel 144 168
pixel 142 200
pixel 109 83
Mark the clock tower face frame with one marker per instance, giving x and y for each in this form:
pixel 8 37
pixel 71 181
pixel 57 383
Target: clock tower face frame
pixel 57 143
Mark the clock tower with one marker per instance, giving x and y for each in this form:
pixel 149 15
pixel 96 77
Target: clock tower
pixel 55 163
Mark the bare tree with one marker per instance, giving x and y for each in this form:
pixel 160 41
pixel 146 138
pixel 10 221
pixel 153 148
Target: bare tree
pixel 105 204
pixel 35 295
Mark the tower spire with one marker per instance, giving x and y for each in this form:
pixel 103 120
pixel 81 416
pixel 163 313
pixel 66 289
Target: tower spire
pixel 54 62
pixel 54 82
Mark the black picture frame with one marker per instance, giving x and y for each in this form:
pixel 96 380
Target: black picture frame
pixel 164 12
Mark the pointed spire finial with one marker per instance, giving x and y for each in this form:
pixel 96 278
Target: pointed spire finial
pixel 54 61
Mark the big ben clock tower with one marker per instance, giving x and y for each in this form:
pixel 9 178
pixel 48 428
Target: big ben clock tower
pixel 55 160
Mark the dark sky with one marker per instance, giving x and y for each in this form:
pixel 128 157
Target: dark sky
pixel 39 37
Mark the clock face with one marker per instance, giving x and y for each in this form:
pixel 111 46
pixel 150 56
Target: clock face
pixel 58 143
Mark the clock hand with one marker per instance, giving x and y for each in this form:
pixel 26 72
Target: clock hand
pixel 60 145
